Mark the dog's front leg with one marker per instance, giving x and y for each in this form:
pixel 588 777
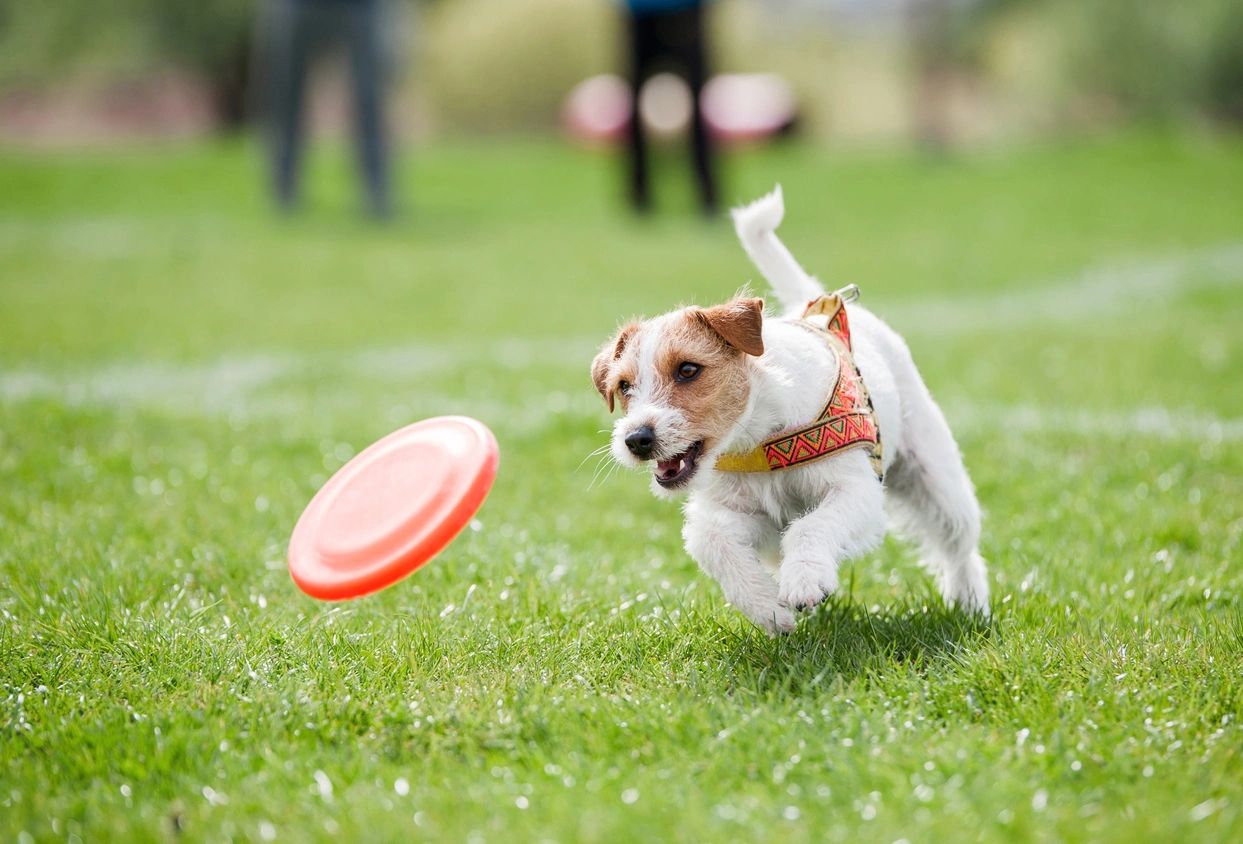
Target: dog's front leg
pixel 848 521
pixel 724 544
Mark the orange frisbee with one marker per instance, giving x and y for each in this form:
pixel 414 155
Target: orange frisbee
pixel 393 507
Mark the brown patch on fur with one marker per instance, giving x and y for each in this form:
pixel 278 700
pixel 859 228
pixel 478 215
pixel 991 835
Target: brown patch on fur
pixel 713 400
pixel 602 366
pixel 739 324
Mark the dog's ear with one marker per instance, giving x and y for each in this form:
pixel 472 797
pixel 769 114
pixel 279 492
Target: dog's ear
pixel 739 323
pixel 604 361
pixel 600 373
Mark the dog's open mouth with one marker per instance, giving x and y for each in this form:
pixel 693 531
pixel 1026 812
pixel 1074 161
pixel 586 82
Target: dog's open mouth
pixel 680 468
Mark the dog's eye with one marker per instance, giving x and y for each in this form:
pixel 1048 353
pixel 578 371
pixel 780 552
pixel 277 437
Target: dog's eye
pixel 623 387
pixel 687 371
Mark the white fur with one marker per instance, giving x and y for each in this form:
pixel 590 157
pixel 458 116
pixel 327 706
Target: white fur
pixel 829 511
pixel 756 225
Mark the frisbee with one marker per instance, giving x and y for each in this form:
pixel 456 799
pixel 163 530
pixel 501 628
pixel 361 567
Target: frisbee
pixel 393 507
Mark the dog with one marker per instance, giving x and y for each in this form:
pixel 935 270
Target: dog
pixel 710 395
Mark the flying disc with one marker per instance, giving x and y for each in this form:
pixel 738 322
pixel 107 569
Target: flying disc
pixel 393 507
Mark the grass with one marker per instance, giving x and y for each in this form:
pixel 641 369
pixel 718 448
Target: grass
pixel 179 371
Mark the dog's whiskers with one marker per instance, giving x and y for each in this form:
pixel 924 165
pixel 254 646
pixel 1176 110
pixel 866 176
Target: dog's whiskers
pixel 605 466
pixel 612 468
pixel 601 450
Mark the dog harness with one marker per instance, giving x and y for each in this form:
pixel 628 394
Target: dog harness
pixel 847 421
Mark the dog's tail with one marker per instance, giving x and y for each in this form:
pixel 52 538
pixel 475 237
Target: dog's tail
pixel 756 225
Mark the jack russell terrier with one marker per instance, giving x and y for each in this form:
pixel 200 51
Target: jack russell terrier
pixel 797 439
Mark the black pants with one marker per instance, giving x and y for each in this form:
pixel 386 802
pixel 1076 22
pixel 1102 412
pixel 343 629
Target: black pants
pixel 670 41
pixel 296 31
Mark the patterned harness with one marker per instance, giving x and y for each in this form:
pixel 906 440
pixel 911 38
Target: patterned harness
pixel 847 421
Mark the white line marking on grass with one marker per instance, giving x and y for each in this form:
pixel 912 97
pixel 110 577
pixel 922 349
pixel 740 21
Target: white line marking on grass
pixel 250 389
pixel 1151 422
pixel 1089 295
pixel 252 386
pixel 235 384
pixel 96 237
pixel 219 386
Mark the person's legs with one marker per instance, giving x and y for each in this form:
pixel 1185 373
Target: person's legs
pixel 642 50
pixel 367 69
pixel 692 56
pixel 288 58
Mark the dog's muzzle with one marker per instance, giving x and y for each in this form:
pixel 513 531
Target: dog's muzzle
pixel 677 471
pixel 641 442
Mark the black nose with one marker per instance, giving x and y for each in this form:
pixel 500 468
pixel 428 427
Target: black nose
pixel 641 441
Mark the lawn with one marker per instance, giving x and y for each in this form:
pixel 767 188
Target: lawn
pixel 180 370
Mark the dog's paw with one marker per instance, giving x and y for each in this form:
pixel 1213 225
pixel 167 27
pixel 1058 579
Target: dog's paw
pixel 773 619
pixel 967 588
pixel 968 597
pixel 803 585
pixel 780 621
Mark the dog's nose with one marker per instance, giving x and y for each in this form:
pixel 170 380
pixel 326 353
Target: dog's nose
pixel 641 441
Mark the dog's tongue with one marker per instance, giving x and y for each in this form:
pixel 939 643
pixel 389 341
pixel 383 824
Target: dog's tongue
pixel 669 468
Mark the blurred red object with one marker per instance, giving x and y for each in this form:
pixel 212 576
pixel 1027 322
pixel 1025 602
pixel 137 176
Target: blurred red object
pixel 598 109
pixel 748 106
pixel 738 107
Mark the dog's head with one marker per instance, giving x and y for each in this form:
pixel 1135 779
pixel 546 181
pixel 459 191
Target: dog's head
pixel 683 382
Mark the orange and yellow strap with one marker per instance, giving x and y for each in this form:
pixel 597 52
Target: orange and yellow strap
pixel 847 421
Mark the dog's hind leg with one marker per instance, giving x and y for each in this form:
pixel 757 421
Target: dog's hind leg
pixel 931 500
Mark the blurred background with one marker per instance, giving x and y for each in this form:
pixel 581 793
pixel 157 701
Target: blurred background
pixel 939 72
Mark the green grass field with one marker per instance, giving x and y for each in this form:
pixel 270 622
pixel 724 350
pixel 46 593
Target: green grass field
pixel 179 371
